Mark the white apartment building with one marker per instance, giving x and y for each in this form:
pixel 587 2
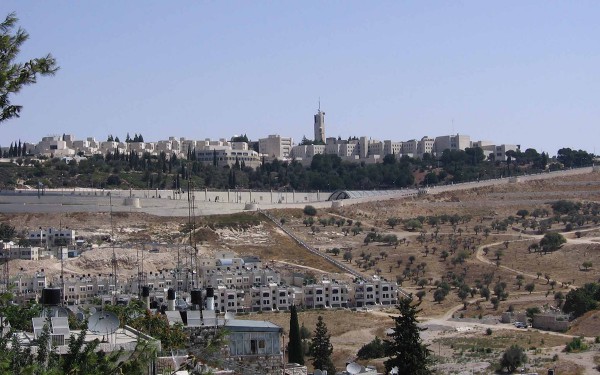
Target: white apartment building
pixel 53 147
pixel 230 300
pixel 452 143
pixel 376 291
pixel 112 146
pixel 229 157
pixel 425 146
pixel 141 147
pixel 272 297
pixel 390 147
pixel 87 147
pixel 26 284
pixel 275 147
pixel 501 150
pixel 326 294
pixel 8 250
pixel 51 237
pixel 304 153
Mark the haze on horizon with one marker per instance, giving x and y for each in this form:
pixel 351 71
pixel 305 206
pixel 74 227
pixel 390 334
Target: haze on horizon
pixel 511 72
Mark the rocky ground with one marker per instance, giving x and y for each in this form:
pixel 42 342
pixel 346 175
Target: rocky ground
pixel 133 232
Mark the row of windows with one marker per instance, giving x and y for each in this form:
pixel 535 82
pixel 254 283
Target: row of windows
pixel 55 235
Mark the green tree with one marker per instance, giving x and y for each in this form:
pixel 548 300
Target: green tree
pixel 310 210
pixel 412 224
pixel 321 349
pixel 439 295
pixel 14 75
pixel 393 221
pixel 552 241
pixel 530 287
pixel 513 357
pixel 582 300
pixel 295 350
pixel 405 347
pixel 7 232
pixel 374 349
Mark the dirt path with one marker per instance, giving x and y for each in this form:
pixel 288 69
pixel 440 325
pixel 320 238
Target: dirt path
pixel 480 256
pixel 294 265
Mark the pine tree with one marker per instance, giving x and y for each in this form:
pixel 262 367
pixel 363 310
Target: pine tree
pixel 16 75
pixel 406 350
pixel 321 348
pixel 295 350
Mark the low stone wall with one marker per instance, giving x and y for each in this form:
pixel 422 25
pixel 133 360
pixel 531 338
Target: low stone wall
pixel 551 322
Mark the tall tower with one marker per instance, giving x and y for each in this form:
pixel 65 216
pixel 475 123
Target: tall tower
pixel 320 125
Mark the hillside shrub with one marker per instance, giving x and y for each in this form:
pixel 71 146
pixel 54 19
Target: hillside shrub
pixel 310 210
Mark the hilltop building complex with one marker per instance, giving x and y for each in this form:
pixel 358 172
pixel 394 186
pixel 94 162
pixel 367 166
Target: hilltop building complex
pixel 224 152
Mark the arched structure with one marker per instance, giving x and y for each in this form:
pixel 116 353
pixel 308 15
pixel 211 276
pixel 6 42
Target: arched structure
pixel 357 194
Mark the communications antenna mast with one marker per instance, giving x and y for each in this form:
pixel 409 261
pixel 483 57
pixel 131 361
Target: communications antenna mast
pixel 192 226
pixel 114 255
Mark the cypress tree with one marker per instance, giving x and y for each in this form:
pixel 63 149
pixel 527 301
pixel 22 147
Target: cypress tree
pixel 321 348
pixel 295 352
pixel 406 350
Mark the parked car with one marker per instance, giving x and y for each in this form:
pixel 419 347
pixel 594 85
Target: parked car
pixel 520 325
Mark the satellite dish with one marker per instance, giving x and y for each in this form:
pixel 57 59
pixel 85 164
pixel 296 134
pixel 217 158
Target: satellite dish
pixel 103 322
pixel 80 316
pixel 181 304
pixel 354 368
pixel 92 310
pixel 318 372
pixel 54 312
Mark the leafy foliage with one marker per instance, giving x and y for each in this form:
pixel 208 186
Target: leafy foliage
pixel 582 300
pixel 513 357
pixel 577 344
pixel 7 232
pixel 374 349
pixel 552 241
pixel 310 210
pixel 136 315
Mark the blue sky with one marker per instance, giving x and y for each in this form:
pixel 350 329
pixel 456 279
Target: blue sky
pixel 517 72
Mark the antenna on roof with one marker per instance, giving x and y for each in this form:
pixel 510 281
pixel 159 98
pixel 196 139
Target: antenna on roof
pixel 319 104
